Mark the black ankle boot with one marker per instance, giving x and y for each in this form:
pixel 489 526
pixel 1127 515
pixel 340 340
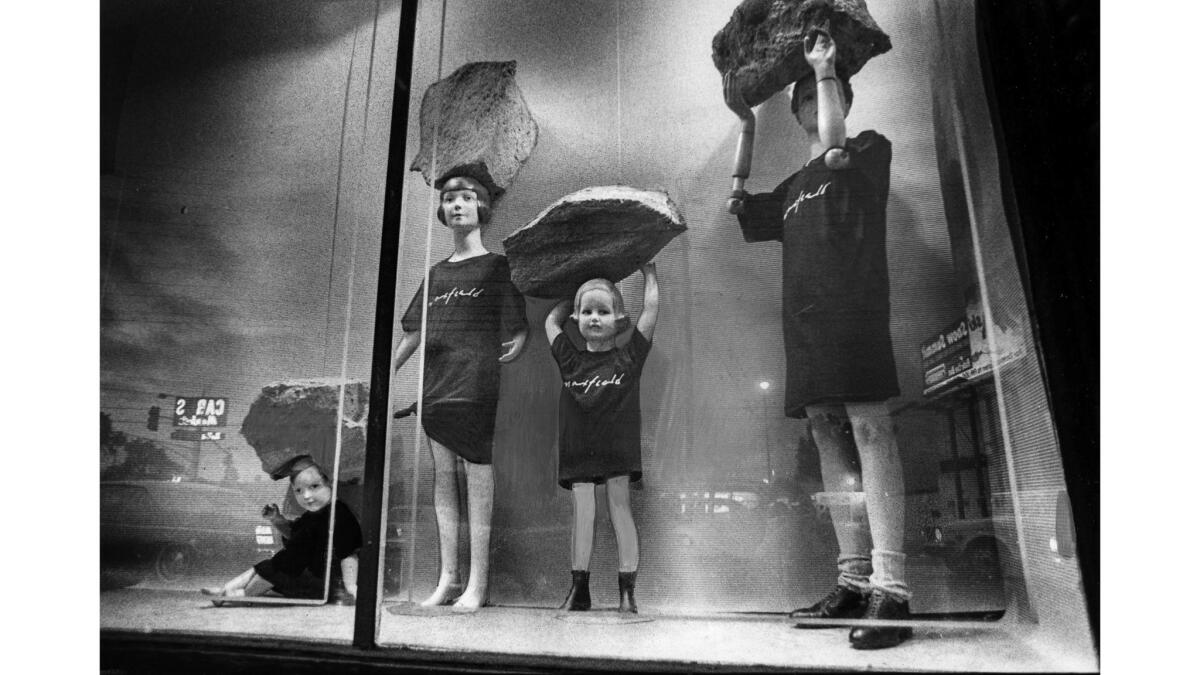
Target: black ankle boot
pixel 625 582
pixel 579 598
pixel 883 606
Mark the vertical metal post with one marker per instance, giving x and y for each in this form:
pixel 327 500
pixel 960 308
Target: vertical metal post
pixel 374 476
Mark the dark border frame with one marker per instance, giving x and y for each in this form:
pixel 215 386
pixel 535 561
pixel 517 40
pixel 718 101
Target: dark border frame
pixel 1041 70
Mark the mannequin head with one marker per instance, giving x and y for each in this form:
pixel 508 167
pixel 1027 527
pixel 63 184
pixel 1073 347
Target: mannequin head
pixel 599 311
pixel 464 203
pixel 804 102
pixel 310 484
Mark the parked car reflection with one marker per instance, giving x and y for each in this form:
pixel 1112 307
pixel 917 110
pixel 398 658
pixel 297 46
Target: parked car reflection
pixel 173 530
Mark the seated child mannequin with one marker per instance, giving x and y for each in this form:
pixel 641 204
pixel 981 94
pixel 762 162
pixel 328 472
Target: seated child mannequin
pixel 599 422
pixel 298 570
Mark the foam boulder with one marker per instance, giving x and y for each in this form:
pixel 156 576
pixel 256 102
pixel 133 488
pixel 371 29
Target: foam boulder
pixel 608 231
pixel 763 43
pixel 475 123
pixel 300 417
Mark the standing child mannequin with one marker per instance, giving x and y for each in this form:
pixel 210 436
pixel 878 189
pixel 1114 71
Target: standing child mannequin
pixel 298 570
pixel 599 422
pixel 831 218
pixel 476 322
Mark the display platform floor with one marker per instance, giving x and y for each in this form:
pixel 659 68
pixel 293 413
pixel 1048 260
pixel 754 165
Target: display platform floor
pixel 526 636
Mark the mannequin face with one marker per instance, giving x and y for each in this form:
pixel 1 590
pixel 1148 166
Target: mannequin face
pixel 597 319
pixel 461 209
pixel 806 109
pixel 806 106
pixel 311 490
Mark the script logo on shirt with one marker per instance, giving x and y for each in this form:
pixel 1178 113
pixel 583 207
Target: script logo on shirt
pixel 453 293
pixel 595 381
pixel 804 196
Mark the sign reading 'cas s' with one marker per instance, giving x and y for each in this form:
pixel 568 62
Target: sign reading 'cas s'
pixel 199 412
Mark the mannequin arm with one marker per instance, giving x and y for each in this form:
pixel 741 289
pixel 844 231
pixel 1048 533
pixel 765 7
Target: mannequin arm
pixel 649 316
pixel 555 319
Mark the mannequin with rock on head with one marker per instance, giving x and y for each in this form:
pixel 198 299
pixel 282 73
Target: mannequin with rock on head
pixel 475 321
pixel 831 219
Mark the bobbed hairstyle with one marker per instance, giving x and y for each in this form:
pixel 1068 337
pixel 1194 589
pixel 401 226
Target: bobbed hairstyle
pixel 609 287
pixel 467 183
pixel 300 464
pixel 810 83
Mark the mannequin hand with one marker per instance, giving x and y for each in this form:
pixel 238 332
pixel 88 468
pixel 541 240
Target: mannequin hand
pixel 271 512
pixel 734 98
pixel 820 52
pixel 513 347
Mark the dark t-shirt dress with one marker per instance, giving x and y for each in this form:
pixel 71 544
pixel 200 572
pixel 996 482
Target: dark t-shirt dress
pixel 473 309
pixel 599 411
pixel 833 225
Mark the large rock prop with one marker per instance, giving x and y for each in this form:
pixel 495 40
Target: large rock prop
pixel 608 232
pixel 763 43
pixel 301 418
pixel 475 123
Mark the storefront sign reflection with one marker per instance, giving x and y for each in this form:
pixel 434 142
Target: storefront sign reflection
pixel 199 412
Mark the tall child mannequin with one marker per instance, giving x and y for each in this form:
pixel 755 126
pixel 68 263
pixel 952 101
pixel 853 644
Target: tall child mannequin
pixel 831 218
pixel 476 322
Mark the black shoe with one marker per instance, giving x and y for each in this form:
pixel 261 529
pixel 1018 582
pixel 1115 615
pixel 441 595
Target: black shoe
pixel 579 598
pixel 882 606
pixel 626 581
pixel 843 602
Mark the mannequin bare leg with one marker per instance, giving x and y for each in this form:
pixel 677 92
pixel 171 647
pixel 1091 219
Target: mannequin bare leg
pixel 445 508
pixel 840 472
pixel 247 583
pixel 621 514
pixel 480 492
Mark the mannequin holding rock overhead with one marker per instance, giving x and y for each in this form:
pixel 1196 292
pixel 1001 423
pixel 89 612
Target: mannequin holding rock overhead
pixel 576 251
pixel 470 318
pixel 831 218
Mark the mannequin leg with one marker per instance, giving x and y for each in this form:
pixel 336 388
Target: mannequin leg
pixel 583 527
pixel 620 512
pixel 883 483
pixel 480 491
pixel 445 508
pixel 237 583
pixel 247 583
pixel 257 586
pixel 840 473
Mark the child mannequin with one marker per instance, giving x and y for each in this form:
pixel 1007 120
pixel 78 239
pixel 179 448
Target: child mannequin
pixel 831 217
pixel 599 417
pixel 298 571
pixel 476 322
